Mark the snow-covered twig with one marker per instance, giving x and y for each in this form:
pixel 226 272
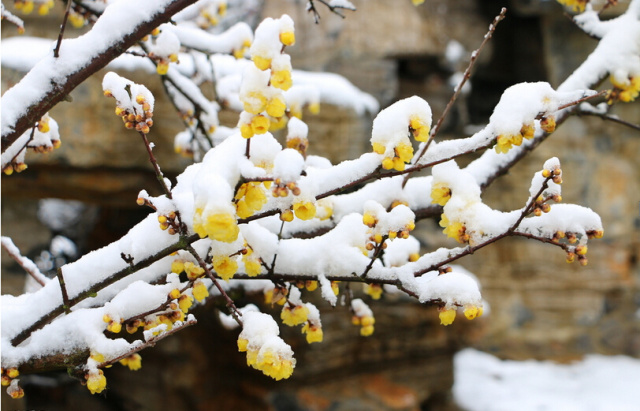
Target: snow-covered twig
pixel 29 266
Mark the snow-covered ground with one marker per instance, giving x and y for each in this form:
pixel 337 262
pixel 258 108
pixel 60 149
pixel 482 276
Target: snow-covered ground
pixel 597 383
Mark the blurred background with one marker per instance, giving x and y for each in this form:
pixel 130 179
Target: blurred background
pixel 540 307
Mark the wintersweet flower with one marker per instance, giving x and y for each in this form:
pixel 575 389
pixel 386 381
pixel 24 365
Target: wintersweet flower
pixel 288 38
pixel 252 266
pixel 96 381
pixel 440 194
pixel 217 226
pixel 447 316
pixel 134 362
pixel 311 285
pixel 374 290
pixel 628 89
pixel 281 79
pixel 313 333
pixel 259 124
pixel 177 266
pixel 294 315
pixel 185 302
pixel 193 271
pixel 274 365
pixel 276 106
pixel 455 230
pixel 367 323
pixel 304 210
pixel 225 266
pixel 576 5
pixel 254 102
pixel 200 291
pixel 472 312
pixel 419 128
pixel 262 63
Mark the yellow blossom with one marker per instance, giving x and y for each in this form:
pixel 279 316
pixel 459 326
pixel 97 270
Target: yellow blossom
pixel 134 362
pixel 252 266
pixel 200 291
pixel 304 210
pixel 288 38
pixel 260 124
pixel 225 266
pixel 281 79
pixel 440 194
pixel 254 102
pixel 185 302
pixel 96 381
pixel 334 287
pixel 472 312
pixel 404 152
pixel 419 128
pixel 273 365
pixel 243 343
pixel 276 106
pixel 219 226
pixel 576 5
pixel 379 148
pixel 374 290
pixel 162 68
pixel 193 271
pixel 177 266
pixel 261 62
pixel 447 316
pixel 313 333
pixel 455 230
pixel 311 285
pixel 294 316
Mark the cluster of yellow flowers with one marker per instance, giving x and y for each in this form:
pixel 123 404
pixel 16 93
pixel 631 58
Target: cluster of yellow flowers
pixel 448 314
pixel 261 92
pixel 576 5
pixel 140 117
pixel 625 90
pixel 76 19
pixel 250 198
pixel 399 151
pixel 45 139
pixel 377 232
pixel 504 142
pixel 211 13
pixel 27 7
pixel 265 350
pixel 9 379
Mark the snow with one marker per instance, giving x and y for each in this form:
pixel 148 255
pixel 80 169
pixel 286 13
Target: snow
pixel 483 382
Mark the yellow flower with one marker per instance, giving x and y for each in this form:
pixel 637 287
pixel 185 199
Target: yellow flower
pixel 420 129
pixel 334 287
pixel 294 316
pixel 134 362
pixel 224 266
pixel 472 312
pixel 417 2
pixel 220 226
pixel 379 148
pixel 404 152
pixel 260 124
pixel 177 266
pixel 314 108
pixel 246 131
pixel 305 210
pixel 252 266
pixel 366 331
pixel 313 333
pixel 273 365
pixel 447 316
pixel 440 194
pixel 576 5
pixel 254 102
pixel 455 230
pixel 374 290
pixel 96 382
pixel 281 79
pixel 185 302
pixel 288 38
pixel 162 68
pixel 200 291
pixel 311 285
pixel 261 62
pixel 243 343
pixel 276 106
pixel 193 271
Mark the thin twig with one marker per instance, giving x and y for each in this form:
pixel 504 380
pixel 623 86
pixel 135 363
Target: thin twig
pixel 56 51
pixel 150 342
pixel 609 117
pixel 232 306
pixel 29 266
pixel 458 89
pixel 156 167
pixel 65 297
